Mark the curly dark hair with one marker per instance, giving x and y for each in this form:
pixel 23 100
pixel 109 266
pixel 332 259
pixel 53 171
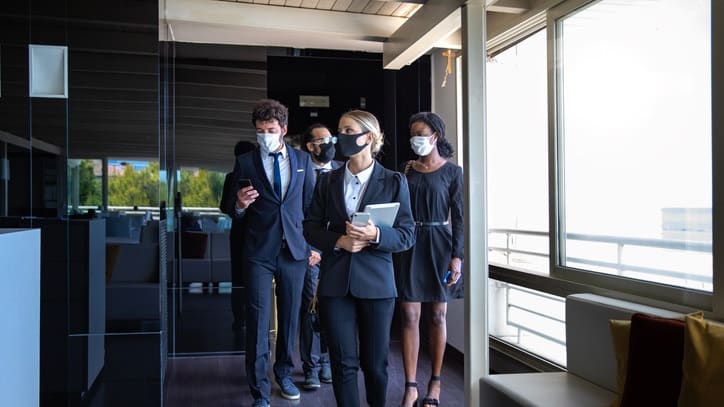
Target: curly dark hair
pixel 435 122
pixel 268 110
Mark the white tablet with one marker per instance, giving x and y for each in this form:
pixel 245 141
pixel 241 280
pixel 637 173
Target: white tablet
pixel 383 214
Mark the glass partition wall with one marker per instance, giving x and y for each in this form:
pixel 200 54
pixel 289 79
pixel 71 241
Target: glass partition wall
pixel 79 85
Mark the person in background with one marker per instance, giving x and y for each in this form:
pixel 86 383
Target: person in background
pixel 425 272
pixel 273 207
pixel 236 236
pixel 319 143
pixel 356 286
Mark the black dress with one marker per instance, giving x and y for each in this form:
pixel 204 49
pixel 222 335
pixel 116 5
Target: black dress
pixel 419 271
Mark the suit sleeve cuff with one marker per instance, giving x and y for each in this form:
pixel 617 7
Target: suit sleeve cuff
pixel 239 211
pixel 377 238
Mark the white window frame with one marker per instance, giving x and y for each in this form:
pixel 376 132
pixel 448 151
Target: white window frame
pixel 701 300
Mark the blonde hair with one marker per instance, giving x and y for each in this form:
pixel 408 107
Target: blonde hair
pixel 369 123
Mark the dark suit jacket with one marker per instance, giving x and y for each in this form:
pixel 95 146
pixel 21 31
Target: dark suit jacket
pixel 368 273
pixel 268 218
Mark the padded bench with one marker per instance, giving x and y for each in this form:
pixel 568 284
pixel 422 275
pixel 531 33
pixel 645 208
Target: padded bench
pixel 591 377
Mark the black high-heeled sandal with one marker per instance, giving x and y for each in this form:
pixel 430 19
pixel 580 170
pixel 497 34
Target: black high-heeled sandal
pixel 429 401
pixel 412 384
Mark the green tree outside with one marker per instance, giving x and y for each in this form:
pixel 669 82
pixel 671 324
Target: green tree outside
pixel 135 188
pixel 201 188
pixel 89 185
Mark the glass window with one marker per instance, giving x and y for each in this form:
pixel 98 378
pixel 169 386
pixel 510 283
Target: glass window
pixel 529 319
pixel 634 139
pixel 517 157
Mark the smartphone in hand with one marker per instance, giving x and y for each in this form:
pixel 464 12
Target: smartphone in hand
pixel 360 219
pixel 446 278
pixel 243 183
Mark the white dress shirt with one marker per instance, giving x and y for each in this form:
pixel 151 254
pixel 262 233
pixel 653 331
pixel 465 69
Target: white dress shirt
pixel 283 168
pixel 354 187
pixel 318 169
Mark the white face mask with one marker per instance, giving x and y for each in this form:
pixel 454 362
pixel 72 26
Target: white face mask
pixel 422 146
pixel 268 142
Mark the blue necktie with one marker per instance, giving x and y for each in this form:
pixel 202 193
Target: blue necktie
pixel 277 175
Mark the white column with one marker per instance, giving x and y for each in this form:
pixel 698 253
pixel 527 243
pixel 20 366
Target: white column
pixel 475 164
pixel 20 316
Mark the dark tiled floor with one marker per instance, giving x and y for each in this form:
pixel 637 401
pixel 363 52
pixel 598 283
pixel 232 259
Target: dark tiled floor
pixel 207 368
pixel 220 381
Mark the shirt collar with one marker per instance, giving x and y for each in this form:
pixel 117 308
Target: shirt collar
pixel 363 175
pixel 327 166
pixel 283 151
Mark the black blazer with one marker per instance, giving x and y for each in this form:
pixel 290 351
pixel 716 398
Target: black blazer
pixel 268 218
pixel 368 273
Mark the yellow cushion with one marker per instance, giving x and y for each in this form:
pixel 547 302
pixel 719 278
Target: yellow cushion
pixel 702 384
pixel 620 330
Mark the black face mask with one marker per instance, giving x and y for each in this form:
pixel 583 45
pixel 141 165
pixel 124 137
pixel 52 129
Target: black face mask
pixel 348 143
pixel 326 153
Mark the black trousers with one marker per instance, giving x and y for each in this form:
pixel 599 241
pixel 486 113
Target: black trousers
pixel 289 276
pixel 312 345
pixel 350 322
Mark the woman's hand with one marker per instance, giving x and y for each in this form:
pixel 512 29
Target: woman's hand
pixel 456 268
pixel 245 197
pixel 368 232
pixel 350 244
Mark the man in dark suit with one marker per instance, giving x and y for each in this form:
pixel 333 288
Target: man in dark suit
pixel 273 209
pixel 319 143
pixel 236 235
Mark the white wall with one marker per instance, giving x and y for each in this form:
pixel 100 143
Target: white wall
pixel 20 316
pixel 444 103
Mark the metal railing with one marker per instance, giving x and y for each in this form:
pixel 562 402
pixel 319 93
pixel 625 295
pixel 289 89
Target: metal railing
pixel 510 305
pixel 621 243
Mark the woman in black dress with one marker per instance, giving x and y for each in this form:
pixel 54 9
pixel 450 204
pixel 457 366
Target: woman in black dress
pixel 422 272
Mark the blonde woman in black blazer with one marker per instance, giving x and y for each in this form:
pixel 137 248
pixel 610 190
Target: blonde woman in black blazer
pixel 357 283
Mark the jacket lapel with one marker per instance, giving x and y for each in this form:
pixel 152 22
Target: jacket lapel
pixel 259 165
pixel 336 191
pixel 375 186
pixel 293 173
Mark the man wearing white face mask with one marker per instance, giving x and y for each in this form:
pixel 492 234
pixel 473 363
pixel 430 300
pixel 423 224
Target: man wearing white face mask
pixel 276 186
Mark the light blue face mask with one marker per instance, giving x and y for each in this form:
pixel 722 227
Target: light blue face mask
pixel 422 145
pixel 268 142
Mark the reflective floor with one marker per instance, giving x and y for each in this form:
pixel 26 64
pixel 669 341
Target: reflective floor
pixel 221 381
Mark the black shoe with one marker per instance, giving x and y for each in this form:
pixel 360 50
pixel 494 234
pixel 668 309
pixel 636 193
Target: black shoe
pixel 410 384
pixel 429 401
pixel 325 374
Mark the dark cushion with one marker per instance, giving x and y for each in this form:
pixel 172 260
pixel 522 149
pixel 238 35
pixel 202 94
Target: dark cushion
pixel 194 245
pixel 656 353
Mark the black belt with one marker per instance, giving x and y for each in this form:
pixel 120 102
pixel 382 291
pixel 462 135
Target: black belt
pixel 418 223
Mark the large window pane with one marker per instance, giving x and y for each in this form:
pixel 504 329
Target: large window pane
pixel 635 122
pixel 529 319
pixel 517 161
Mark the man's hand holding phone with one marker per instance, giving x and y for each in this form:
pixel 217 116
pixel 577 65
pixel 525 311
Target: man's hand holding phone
pixel 246 194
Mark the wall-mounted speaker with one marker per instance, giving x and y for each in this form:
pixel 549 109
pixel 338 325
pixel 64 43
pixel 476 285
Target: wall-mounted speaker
pixel 48 71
